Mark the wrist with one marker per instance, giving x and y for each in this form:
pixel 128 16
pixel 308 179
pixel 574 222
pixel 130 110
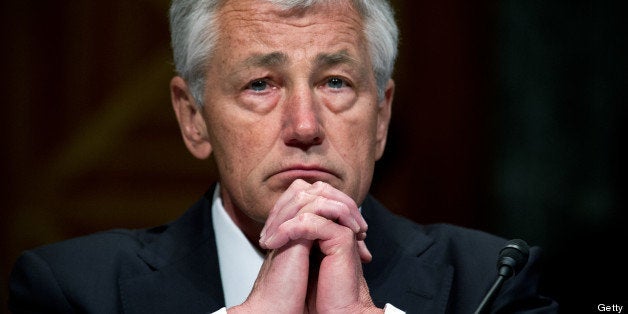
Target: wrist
pixel 242 308
pixel 361 310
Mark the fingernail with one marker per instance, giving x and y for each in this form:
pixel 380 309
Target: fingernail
pixel 361 236
pixel 356 227
pixel 269 241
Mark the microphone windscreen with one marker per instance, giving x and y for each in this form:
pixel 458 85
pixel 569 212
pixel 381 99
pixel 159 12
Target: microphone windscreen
pixel 514 254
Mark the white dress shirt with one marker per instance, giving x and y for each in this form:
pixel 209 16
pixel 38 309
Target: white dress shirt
pixel 238 259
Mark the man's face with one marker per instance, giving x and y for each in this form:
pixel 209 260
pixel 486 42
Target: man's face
pixel 291 96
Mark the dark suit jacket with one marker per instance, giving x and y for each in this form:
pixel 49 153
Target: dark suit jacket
pixel 174 269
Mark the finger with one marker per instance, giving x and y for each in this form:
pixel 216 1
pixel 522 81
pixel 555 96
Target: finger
pixel 341 284
pixel 328 191
pixel 312 227
pixel 308 226
pixel 333 210
pixel 287 196
pixel 365 254
pixel 288 210
pixel 282 281
pixel 305 226
pixel 296 186
pixel 318 205
pixel 320 198
pixel 360 236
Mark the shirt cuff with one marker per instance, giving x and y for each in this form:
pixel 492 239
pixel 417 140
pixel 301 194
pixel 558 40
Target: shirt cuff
pixel 391 309
pixel 221 311
pixel 388 309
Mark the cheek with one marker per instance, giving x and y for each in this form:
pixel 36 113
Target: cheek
pixel 356 148
pixel 361 133
pixel 353 138
pixel 239 144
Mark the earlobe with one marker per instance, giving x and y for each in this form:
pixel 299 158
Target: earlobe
pixel 383 119
pixel 190 118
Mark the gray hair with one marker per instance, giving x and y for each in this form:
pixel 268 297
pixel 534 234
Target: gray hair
pixel 194 34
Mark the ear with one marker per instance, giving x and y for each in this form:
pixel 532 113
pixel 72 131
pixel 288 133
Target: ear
pixel 190 118
pixel 383 119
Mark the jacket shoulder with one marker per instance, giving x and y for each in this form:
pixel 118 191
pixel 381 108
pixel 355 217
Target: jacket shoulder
pixel 93 248
pixel 75 273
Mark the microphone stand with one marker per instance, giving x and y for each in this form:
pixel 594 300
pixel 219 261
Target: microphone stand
pixel 512 258
pixel 488 299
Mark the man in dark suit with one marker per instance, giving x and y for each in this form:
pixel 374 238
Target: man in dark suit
pixel 293 99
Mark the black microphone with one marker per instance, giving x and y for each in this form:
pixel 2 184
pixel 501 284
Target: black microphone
pixel 512 257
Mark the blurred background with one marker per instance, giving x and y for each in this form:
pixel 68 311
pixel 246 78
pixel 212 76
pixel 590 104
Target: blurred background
pixel 508 117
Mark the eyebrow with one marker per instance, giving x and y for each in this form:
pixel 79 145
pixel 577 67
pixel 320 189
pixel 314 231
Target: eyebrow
pixel 332 59
pixel 272 59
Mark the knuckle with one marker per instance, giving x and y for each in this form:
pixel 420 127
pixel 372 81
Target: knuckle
pixel 305 218
pixel 301 196
pixel 346 233
pixel 319 184
pixel 283 228
pixel 343 208
pixel 321 187
pixel 319 202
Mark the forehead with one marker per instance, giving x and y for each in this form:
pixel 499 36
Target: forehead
pixel 262 25
pixel 253 9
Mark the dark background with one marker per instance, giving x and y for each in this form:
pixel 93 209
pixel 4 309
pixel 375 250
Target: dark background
pixel 508 117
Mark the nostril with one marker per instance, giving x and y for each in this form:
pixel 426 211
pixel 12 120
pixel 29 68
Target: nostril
pixel 305 143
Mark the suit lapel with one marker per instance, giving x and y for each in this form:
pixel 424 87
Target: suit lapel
pixel 402 272
pixel 182 274
pixel 180 271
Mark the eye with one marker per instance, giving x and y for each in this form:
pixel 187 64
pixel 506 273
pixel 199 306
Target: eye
pixel 258 85
pixel 336 83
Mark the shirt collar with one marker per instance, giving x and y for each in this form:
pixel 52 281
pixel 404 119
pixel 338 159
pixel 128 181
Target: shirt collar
pixel 238 259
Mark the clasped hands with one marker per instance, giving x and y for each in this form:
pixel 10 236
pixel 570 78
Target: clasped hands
pixel 315 237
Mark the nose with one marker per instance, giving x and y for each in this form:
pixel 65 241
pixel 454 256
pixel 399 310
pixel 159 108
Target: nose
pixel 302 120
